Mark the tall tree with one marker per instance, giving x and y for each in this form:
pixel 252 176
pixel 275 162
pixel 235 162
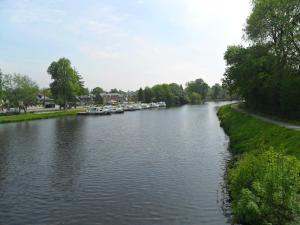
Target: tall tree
pixel 25 91
pixel 216 92
pixel 1 89
pixel 276 23
pixel 66 81
pixel 198 86
pixel 97 91
pixel 141 96
pixel 148 94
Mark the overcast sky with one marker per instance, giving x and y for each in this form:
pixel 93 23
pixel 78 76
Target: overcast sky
pixel 124 44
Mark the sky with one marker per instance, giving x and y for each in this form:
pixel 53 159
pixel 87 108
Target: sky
pixel 123 44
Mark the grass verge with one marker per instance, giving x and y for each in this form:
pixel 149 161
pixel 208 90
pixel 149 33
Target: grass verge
pixel 264 179
pixel 37 116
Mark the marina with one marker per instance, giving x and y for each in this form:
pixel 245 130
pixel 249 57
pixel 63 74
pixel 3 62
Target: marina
pixel 119 109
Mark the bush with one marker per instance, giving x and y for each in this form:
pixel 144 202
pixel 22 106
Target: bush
pixel 264 188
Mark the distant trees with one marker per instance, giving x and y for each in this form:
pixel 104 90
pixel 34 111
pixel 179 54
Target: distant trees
pixel 148 94
pixel 67 82
pixel 141 96
pixel 195 98
pixel 267 73
pixel 17 91
pixel 196 92
pixel 172 94
pixel 97 93
pixel 198 86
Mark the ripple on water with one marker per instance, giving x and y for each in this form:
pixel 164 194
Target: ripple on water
pixel 146 167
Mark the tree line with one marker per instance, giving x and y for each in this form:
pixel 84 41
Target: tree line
pixel 20 91
pixel 195 92
pixel 267 72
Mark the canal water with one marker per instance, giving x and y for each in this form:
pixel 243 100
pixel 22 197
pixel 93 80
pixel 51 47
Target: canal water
pixel 145 167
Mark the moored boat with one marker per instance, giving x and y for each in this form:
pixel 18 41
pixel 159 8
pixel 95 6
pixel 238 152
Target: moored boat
pixel 95 111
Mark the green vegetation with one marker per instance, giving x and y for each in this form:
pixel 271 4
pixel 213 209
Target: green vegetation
pixel 37 116
pixel 264 188
pixel 17 91
pixel 267 73
pixel 264 181
pixel 196 92
pixel 67 83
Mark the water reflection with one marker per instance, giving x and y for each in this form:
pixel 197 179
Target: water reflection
pixel 146 167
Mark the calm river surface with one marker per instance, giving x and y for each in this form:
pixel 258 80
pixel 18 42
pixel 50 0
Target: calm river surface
pixel 144 167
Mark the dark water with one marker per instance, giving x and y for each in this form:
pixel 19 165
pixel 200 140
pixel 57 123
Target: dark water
pixel 146 167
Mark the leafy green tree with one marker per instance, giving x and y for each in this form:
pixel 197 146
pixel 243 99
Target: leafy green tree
pixel 148 94
pixel 275 23
pixel 1 89
pixel 195 98
pixel 66 81
pixel 85 91
pixel 114 90
pixel 249 73
pixel 25 91
pixel 217 92
pixel 197 86
pixel 97 91
pixel 141 96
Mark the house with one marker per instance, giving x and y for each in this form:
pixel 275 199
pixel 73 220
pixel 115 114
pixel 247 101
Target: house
pixel 113 98
pixel 85 100
pixel 45 101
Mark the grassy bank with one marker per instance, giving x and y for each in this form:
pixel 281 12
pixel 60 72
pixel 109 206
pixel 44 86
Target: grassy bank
pixel 264 179
pixel 37 116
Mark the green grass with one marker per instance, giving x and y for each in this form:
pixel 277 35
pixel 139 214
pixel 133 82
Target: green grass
pixel 265 165
pixel 37 116
pixel 274 117
pixel 249 134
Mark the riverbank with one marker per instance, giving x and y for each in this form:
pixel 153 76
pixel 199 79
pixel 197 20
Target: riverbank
pixel 37 116
pixel 264 178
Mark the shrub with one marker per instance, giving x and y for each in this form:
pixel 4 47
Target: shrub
pixel 264 187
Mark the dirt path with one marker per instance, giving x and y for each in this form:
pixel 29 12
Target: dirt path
pixel 266 119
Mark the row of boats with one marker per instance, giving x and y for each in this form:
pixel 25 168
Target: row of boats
pixel 109 109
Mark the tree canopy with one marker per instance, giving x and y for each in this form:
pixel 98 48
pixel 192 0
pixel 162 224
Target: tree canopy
pixel 267 73
pixel 66 81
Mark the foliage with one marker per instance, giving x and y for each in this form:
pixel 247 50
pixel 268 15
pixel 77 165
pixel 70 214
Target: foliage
pixel 66 81
pixel 267 72
pixel 218 92
pixel 97 91
pixel 17 91
pixel 248 133
pixel 197 86
pixel 148 94
pixel 195 98
pixel 264 183
pixel 46 92
pixel 141 96
pixel 173 94
pixel 264 188
pixel 276 23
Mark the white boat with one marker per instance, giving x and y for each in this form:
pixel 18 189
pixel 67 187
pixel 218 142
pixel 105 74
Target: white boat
pixel 95 111
pixel 117 110
pixel 154 105
pixel 162 104
pixel 145 106
pixel 137 106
